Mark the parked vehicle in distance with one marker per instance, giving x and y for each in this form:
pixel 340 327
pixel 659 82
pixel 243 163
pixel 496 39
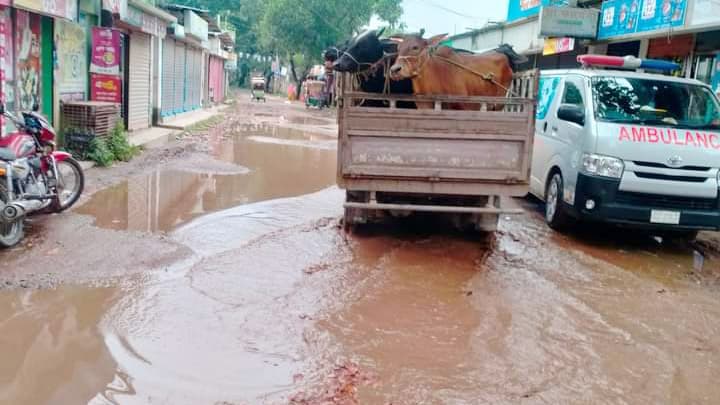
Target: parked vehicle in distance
pixel 636 149
pixel 257 91
pixel 33 175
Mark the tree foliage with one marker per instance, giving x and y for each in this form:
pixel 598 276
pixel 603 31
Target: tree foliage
pixel 297 27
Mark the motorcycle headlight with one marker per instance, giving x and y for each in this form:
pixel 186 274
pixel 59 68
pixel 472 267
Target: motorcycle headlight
pixel 605 166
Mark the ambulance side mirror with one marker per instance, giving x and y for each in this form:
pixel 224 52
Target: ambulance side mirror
pixel 572 113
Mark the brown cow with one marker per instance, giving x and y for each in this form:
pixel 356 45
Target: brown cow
pixel 441 70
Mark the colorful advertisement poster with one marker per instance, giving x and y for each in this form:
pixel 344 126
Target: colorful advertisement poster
pixel 60 8
pixel 554 46
pixel 657 14
pixel 105 56
pixel 27 56
pixel 105 88
pixel 71 65
pixel 618 17
pixel 622 17
pixel 6 84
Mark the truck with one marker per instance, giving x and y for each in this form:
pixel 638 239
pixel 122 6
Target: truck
pixel 397 161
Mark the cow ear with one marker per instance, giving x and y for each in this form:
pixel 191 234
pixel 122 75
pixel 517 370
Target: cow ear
pixel 435 41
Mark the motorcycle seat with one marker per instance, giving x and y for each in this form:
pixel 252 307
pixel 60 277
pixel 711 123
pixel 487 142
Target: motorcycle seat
pixel 7 154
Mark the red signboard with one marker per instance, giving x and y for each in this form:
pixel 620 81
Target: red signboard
pixel 105 88
pixel 105 57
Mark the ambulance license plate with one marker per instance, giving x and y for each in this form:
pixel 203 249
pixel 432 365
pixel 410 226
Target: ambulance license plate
pixel 665 217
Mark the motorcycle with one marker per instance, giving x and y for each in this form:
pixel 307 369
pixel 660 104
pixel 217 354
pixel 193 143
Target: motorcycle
pixel 34 176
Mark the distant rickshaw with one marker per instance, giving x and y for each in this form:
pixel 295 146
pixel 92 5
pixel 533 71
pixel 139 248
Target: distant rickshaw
pixel 315 94
pixel 257 84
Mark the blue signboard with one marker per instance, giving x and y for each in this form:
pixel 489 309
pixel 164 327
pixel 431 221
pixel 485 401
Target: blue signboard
pixel 657 14
pixel 622 17
pixel 518 9
pixel 618 17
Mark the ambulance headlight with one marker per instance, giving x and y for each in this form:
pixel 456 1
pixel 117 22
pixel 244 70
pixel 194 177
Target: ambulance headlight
pixel 605 166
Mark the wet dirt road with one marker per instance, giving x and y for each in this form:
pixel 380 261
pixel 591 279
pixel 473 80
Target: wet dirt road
pixel 229 281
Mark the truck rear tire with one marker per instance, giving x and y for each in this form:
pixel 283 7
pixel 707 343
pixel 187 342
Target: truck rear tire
pixel 556 214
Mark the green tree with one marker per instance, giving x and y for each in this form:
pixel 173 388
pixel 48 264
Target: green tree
pixel 302 29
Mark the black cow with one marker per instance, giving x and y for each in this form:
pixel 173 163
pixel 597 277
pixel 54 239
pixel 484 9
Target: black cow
pixel 361 55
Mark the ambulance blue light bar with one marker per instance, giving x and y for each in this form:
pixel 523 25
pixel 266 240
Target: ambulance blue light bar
pixel 627 62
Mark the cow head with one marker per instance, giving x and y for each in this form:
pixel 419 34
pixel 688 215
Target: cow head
pixel 413 53
pixel 332 53
pixel 363 51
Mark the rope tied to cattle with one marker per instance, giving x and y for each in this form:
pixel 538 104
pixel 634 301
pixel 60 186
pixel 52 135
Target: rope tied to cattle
pixel 430 54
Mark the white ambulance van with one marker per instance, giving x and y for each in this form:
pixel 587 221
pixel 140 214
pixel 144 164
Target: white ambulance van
pixel 634 149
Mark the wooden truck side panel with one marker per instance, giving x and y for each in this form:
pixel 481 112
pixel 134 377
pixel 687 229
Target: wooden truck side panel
pixel 439 151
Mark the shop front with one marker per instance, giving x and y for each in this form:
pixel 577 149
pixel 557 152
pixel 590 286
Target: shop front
pixel 183 66
pixel 28 33
pixel 141 28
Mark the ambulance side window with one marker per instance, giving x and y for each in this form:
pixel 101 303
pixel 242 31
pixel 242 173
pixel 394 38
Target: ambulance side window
pixel 572 95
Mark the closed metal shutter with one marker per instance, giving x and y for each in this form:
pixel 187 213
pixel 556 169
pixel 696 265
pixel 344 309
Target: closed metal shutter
pixel 168 78
pixel 139 86
pixel 187 100
pixel 180 80
pixel 197 79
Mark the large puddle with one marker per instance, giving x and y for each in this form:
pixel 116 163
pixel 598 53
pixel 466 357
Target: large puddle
pixel 280 162
pixel 276 298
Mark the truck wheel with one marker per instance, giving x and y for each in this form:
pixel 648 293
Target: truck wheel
pixel 556 215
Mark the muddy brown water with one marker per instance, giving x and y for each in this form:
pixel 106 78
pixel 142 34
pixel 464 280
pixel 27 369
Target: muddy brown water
pixel 276 296
pixel 281 162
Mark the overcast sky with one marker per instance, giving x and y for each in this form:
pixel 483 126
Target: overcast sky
pixel 451 16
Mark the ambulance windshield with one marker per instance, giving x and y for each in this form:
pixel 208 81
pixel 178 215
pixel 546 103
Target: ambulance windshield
pixel 655 102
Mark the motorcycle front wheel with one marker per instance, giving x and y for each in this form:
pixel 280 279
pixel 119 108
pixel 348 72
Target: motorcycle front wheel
pixel 70 184
pixel 10 233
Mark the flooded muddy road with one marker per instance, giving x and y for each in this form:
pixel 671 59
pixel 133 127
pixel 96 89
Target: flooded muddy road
pixel 225 279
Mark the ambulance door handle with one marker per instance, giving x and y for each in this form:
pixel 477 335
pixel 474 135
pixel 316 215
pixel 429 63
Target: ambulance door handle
pixel 554 129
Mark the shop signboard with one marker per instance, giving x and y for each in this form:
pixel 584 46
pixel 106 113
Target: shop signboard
pixel 56 8
pixel 71 66
pixel 518 9
pixel 618 17
pixel 554 46
pixel 105 55
pixel 105 88
pixel 195 26
pixel 568 21
pixel 116 7
pixel 147 23
pixel 705 12
pixel 623 17
pixel 659 14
